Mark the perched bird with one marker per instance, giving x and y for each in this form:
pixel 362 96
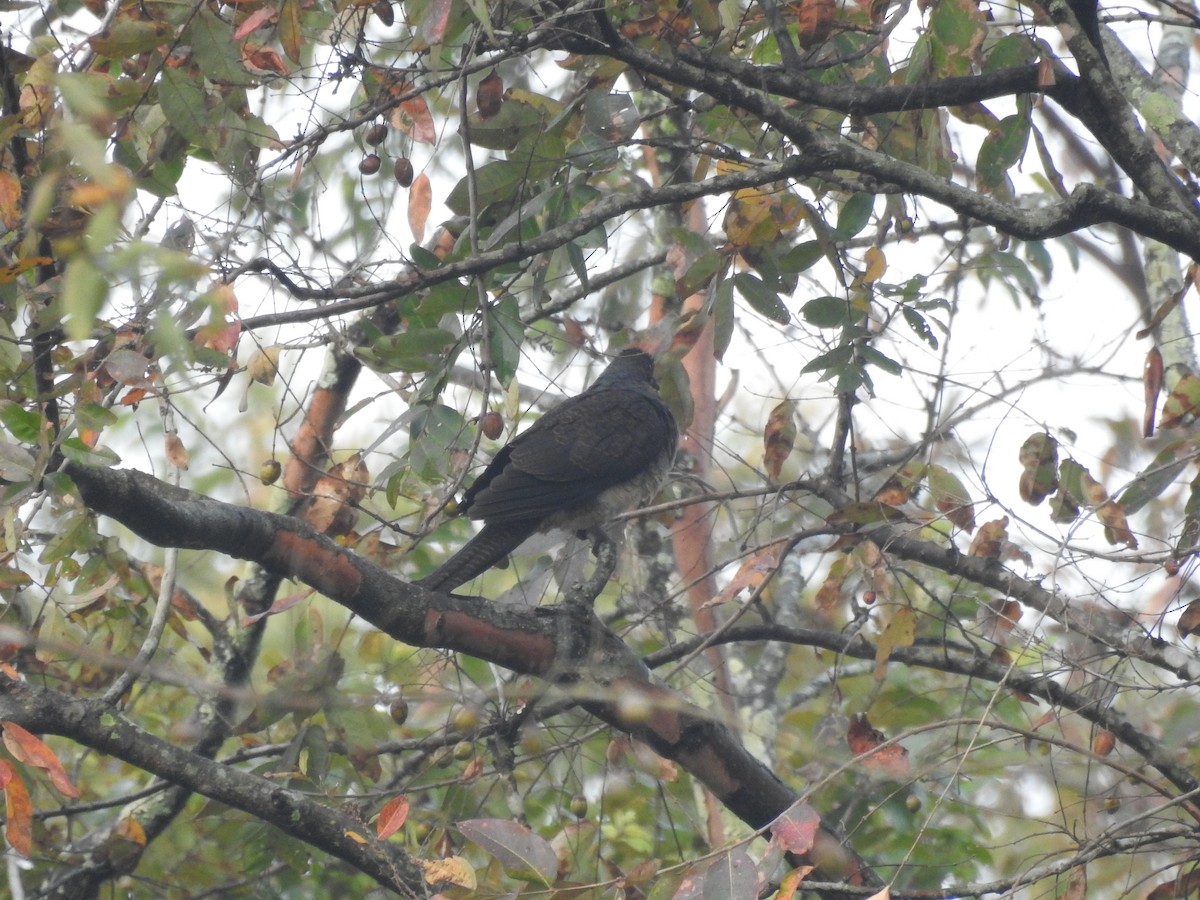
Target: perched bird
pixel 582 463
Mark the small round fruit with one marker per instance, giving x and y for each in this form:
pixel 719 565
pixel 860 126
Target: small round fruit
pixel 403 170
pixel 269 472
pixel 370 164
pixel 376 134
pixel 579 806
pixel 492 425
pixel 398 710
pixel 383 9
pixel 466 719
pixel 464 750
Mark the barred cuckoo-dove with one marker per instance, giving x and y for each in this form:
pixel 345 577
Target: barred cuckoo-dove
pixel 587 460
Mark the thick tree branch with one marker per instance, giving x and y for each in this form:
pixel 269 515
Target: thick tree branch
pixel 563 644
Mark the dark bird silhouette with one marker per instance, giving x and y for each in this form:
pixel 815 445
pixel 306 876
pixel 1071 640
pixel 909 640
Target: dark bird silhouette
pixel 585 461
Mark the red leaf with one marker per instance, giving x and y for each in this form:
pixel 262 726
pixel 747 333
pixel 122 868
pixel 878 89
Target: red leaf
pixel 795 830
pixel 890 760
pixel 31 750
pixel 392 817
pixel 18 809
pixel 254 21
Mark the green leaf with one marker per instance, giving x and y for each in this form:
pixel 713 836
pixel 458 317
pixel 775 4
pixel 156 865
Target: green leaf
pixel 875 358
pixel 854 216
pixel 919 326
pixel 1002 149
pixel 77 451
pixel 23 424
pixel 1010 52
pixel 723 318
pixel 1160 474
pixel 761 298
pixel 83 294
pixel 434 432
pixel 802 257
pixel 506 334
pixel 830 362
pixel 827 312
pixel 415 350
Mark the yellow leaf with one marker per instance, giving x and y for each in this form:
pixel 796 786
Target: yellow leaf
pixel 876 265
pixel 453 869
pixel 901 631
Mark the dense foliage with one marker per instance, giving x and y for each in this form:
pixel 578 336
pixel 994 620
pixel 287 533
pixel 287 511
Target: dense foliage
pixel 911 617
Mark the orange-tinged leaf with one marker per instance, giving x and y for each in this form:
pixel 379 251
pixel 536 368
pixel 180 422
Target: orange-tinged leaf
pixel 18 808
pixel 131 829
pixel 829 594
pixel 420 202
pixel 885 893
pixel 12 273
pixel 814 21
pixel 10 200
pixel 177 454
pixel 1116 525
pixel 33 751
pixel 989 541
pixel 392 817
pixel 901 631
pixel 356 837
pixel 901 487
pixel 1152 376
pixel 261 59
pixel 412 117
pixel 1104 742
pixel 779 437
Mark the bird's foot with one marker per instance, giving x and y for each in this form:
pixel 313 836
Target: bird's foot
pixel 605 551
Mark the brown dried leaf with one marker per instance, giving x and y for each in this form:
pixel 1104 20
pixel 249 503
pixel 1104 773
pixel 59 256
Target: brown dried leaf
pixel 779 437
pixel 1039 458
pixel 753 571
pixel 1189 620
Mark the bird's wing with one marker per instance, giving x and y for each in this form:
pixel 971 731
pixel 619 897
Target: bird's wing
pixel 573 453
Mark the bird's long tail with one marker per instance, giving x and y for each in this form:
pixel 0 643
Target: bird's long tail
pixel 479 554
